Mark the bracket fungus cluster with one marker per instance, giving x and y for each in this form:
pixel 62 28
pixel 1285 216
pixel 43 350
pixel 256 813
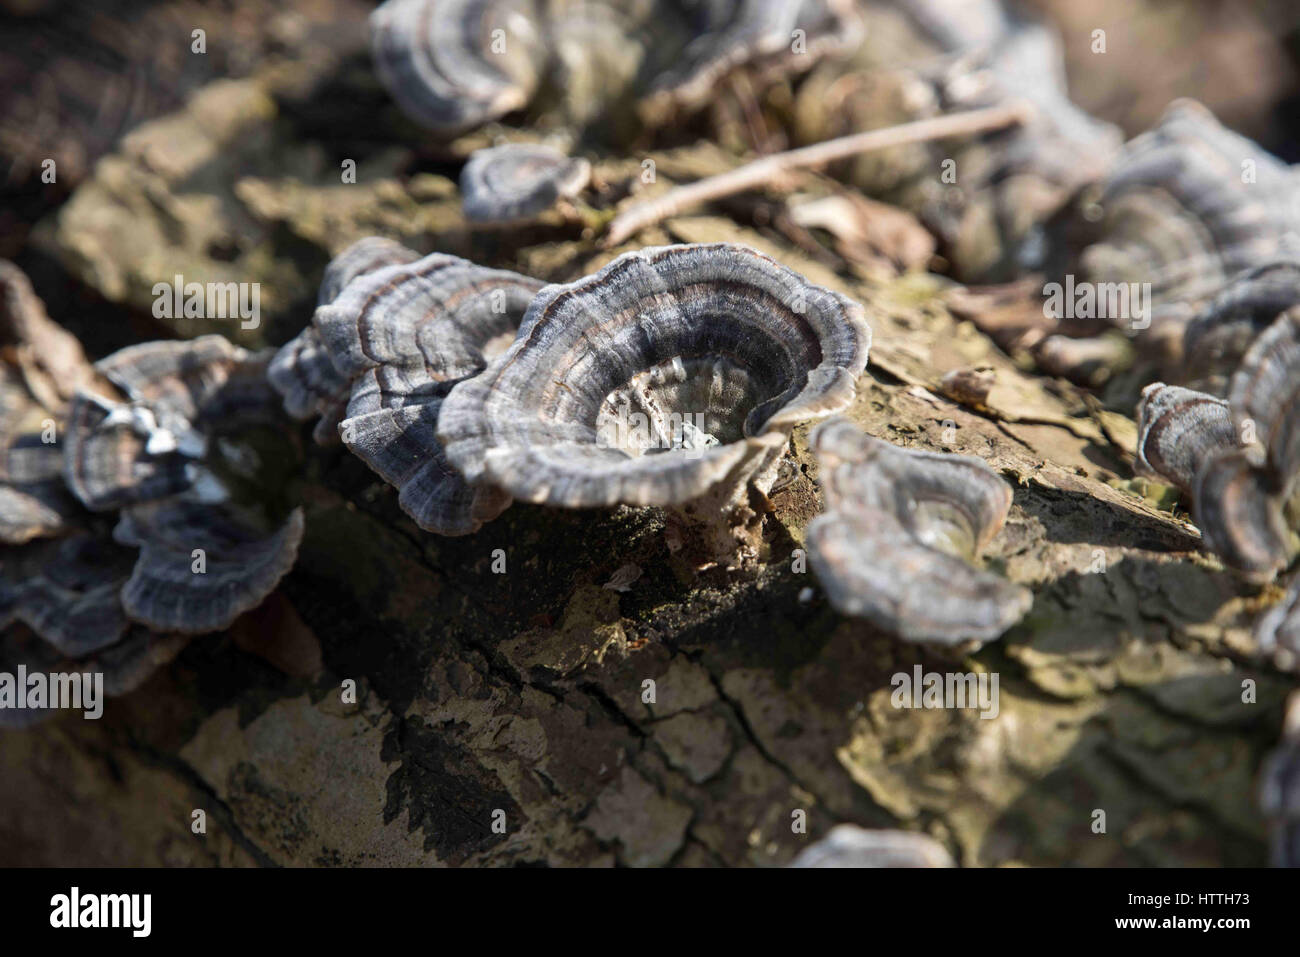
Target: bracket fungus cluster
pixel 453 65
pixel 999 56
pixel 1237 459
pixel 786 35
pixel 163 524
pixel 162 443
pixel 900 535
pixel 847 845
pixel 1189 205
pixel 518 181
pixel 1218 338
pixel 381 355
pixel 301 371
pixel 61 612
pixel 672 377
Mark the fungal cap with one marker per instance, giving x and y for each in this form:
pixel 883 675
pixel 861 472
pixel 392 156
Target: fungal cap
pixel 401 446
pixel 437 58
pixel 403 336
pixel 66 591
pixel 1178 214
pixel 364 256
pixel 118 453
pixel 302 371
pixel 1239 515
pixel 1265 397
pixel 440 311
pixel 671 371
pixel 519 181
pixel 1179 430
pixel 759 32
pixel 897 539
pixel 847 845
pixel 108 462
pixel 242 563
pixel 1219 336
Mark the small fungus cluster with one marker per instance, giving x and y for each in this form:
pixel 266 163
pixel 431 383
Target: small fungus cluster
pixel 453 65
pixel 134 512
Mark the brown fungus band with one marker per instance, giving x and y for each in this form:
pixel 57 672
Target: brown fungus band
pixel 401 337
pixel 900 536
pixel 672 377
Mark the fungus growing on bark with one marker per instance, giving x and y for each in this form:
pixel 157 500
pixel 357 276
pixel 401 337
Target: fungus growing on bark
pixel 1179 430
pixel 169 449
pixel 143 443
pixel 791 35
pixel 1218 338
pixel 672 377
pixel 1179 212
pixel 66 591
pixel 403 337
pixel 456 64
pixel 302 371
pixel 901 531
pixel 519 181
pixel 1238 470
pixel 201 566
pixel 847 845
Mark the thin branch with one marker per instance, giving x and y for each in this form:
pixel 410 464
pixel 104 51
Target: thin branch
pixel 762 171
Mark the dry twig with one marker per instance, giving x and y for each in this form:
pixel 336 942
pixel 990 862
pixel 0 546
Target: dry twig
pixel 762 171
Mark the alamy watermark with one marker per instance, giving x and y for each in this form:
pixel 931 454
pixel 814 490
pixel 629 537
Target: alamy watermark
pixel 214 300
pixel 1118 302
pixel 952 690
pixel 37 691
pixel 133 912
pixel 677 431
